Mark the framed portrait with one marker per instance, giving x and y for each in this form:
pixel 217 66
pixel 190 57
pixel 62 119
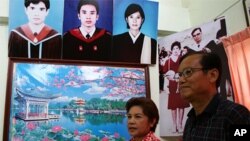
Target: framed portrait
pixel 71 17
pixel 70 100
pixel 143 48
pixel 35 29
pixel 246 6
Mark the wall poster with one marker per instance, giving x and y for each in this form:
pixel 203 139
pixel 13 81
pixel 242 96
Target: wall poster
pixel 205 37
pixel 67 100
pixel 92 30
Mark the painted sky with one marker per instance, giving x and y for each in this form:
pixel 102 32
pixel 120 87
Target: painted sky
pixel 73 82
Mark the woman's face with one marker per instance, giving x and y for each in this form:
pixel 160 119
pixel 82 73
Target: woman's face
pixel 176 51
pixel 138 123
pixel 134 21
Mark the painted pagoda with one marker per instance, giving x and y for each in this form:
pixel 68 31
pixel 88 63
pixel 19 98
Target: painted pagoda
pixel 34 106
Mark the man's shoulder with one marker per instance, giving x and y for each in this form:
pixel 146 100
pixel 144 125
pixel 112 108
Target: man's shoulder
pixel 20 29
pixel 104 31
pixel 234 111
pixel 17 28
pixel 211 44
pixel 227 105
pixel 73 31
pixel 50 30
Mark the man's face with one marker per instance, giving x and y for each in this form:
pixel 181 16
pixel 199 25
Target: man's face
pixel 194 86
pixel 88 16
pixel 197 36
pixel 134 21
pixel 36 13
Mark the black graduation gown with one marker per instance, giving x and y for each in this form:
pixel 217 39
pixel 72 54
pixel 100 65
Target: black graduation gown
pixel 47 44
pixel 77 47
pixel 124 50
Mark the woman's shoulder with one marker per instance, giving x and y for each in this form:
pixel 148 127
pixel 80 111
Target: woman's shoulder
pixel 124 34
pixel 152 39
pixel 151 137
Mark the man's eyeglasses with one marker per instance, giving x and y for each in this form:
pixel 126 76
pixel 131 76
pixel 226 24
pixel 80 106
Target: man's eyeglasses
pixel 189 71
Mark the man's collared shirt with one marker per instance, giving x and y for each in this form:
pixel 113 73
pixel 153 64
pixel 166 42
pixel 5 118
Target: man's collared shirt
pixel 213 124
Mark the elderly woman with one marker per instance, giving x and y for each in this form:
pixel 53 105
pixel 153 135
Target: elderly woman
pixel 143 117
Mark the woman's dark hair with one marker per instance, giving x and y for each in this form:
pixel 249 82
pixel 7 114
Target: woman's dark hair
pixel 176 43
pixel 46 2
pixel 148 107
pixel 208 61
pixel 90 2
pixel 132 8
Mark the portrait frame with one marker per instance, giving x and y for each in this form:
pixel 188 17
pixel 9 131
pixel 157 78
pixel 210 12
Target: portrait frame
pixel 60 100
pixel 246 7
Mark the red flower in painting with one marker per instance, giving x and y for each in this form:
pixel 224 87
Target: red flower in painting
pixel 31 126
pixel 15 138
pixel 23 132
pixel 105 139
pixel 14 121
pixel 116 135
pixel 76 132
pixel 56 129
pixel 46 139
pixel 85 137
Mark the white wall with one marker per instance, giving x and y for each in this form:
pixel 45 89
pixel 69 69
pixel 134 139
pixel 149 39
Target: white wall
pixel 4 62
pixel 202 11
pixel 4 8
pixel 178 15
pixel 3 73
pixel 172 17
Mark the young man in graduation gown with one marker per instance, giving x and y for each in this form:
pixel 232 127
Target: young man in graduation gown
pixel 35 39
pixel 87 42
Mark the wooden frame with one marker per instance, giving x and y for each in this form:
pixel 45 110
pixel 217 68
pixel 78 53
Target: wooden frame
pixel 70 100
pixel 246 6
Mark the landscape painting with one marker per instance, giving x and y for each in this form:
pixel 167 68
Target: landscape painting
pixel 68 102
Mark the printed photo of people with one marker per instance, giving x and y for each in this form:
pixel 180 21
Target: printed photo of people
pixel 207 38
pixel 35 28
pixel 87 30
pixel 91 30
pixel 135 31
